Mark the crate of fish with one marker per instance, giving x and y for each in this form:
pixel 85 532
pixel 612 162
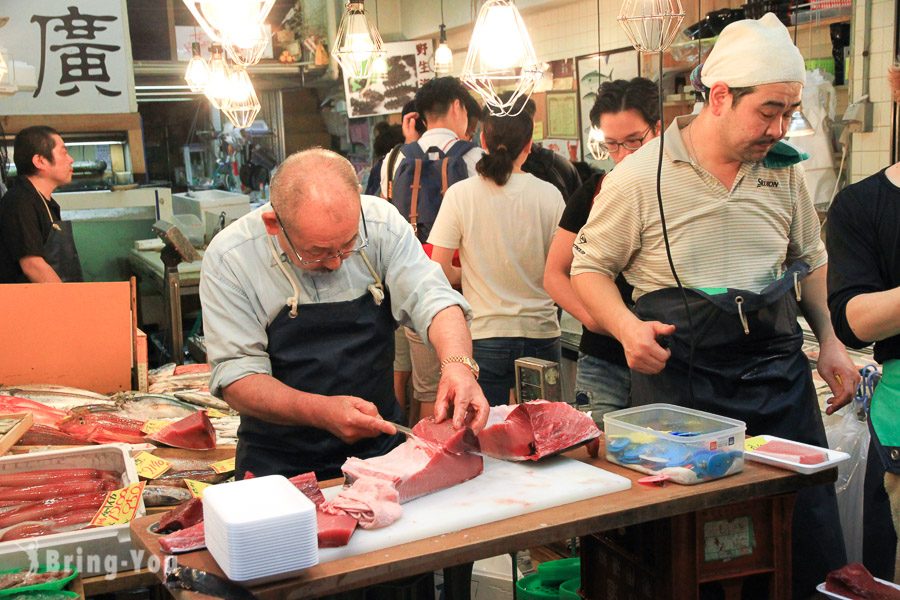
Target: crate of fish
pixel 47 502
pixel 688 446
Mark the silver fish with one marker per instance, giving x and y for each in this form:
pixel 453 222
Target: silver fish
pixel 143 407
pixel 56 396
pixel 204 399
pixel 165 495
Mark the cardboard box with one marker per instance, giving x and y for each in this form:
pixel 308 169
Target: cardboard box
pixel 96 551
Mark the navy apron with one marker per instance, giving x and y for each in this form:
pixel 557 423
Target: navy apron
pixel 334 348
pixel 749 365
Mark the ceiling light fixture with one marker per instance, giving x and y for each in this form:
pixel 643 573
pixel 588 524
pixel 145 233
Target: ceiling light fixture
pixel 443 55
pixel 242 104
pixel 799 125
pixel 357 43
pixel 596 139
pixel 237 25
pixel 651 25
pixel 217 86
pixel 500 58
pixel 197 73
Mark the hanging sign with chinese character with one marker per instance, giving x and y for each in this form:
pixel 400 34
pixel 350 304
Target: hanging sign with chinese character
pixel 410 65
pixel 80 52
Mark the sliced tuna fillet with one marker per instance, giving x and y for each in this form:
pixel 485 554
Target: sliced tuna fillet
pixel 195 432
pixel 185 540
pixel 533 430
pixel 792 452
pixel 372 501
pixel 454 441
pixel 416 469
pixel 188 514
pixel 334 530
pixel 309 485
pixel 855 581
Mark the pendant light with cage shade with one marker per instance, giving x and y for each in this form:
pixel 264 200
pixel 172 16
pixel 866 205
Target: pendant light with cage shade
pixel 799 125
pixel 379 62
pixel 242 104
pixel 443 56
pixel 237 25
pixel 501 58
pixel 197 73
pixel 217 86
pixel 357 43
pixel 651 25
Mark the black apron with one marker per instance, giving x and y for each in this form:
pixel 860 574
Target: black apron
pixel 59 250
pixel 749 365
pixel 335 348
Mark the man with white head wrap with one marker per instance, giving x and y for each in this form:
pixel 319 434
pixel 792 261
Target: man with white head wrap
pixel 743 233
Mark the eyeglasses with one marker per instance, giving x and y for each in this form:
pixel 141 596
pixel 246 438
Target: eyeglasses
pixel 322 257
pixel 631 144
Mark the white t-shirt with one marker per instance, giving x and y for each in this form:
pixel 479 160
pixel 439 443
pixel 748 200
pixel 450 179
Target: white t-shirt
pixel 439 138
pixel 503 235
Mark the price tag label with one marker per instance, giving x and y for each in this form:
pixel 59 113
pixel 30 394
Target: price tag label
pixel 223 466
pixel 212 413
pixel 119 506
pixel 149 466
pixel 153 425
pixel 751 444
pixel 196 487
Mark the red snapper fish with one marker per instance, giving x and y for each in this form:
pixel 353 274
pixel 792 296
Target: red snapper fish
pixel 43 414
pixel 102 428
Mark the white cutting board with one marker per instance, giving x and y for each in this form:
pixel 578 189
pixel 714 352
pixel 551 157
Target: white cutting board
pixel 505 489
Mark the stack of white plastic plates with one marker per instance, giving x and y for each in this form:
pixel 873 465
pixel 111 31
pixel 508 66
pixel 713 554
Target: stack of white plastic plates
pixel 260 528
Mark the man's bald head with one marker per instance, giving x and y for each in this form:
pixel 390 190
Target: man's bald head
pixel 314 180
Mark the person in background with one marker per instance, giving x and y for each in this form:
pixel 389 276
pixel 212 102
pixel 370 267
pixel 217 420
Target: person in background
pixel 502 222
pixel 628 114
pixel 387 137
pixel 863 242
pixel 547 165
pixel 743 233
pixel 36 245
pixel 442 105
pixel 411 129
pixel 311 375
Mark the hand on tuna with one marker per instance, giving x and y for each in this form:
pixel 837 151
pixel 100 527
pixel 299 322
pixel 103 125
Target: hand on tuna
pixel 459 388
pixel 352 419
pixel 643 350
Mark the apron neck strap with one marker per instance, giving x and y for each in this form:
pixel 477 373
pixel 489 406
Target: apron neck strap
pixel 377 288
pixel 292 301
pixel 46 203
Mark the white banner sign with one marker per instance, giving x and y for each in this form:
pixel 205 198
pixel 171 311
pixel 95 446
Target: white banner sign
pixel 79 51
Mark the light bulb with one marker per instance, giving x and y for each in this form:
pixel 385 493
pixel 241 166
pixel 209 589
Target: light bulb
pixel 217 85
pixel 357 42
pixel 197 73
pixel 443 59
pixel 501 46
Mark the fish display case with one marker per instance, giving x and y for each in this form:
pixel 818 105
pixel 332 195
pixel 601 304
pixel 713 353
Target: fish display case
pixel 94 551
pixel 685 445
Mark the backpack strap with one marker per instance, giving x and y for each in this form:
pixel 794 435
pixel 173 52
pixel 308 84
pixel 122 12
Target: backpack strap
pixel 444 184
pixel 391 163
pixel 414 200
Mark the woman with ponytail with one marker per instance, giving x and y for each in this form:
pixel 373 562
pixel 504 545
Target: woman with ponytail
pixel 502 222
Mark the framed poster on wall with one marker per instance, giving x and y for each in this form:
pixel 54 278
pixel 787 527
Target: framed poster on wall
pixel 593 70
pixel 409 67
pixel 562 115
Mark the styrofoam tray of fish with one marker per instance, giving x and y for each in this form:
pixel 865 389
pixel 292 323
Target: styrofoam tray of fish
pixel 689 446
pixel 95 551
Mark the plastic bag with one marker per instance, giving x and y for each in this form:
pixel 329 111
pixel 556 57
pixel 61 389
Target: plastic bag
pixel 851 435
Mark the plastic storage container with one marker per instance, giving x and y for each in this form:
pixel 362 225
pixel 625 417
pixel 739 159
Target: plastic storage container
pixel 208 205
pixel 95 551
pixel 689 446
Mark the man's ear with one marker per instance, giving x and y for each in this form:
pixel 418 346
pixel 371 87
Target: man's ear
pixel 720 98
pixel 271 223
pixel 39 162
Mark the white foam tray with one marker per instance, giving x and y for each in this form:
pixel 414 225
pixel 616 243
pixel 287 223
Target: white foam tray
pixel 95 551
pixel 834 457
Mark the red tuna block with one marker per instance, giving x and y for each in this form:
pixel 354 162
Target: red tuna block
pixel 188 514
pixel 185 540
pixel 447 437
pixel 793 452
pixel 334 530
pixel 309 485
pixel 855 581
pixel 194 432
pixel 533 430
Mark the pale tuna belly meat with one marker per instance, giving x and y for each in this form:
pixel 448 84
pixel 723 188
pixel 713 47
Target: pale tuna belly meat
pixel 533 430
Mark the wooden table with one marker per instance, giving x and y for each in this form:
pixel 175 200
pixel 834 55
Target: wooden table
pixel 637 505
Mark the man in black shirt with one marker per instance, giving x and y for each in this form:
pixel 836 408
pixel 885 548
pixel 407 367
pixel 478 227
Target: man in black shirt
pixel 36 245
pixel 547 165
pixel 863 242
pixel 627 112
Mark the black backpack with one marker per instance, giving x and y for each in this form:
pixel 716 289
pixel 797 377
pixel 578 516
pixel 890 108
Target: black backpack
pixel 419 185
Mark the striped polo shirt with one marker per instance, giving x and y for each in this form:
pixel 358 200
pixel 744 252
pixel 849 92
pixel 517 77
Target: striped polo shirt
pixel 739 238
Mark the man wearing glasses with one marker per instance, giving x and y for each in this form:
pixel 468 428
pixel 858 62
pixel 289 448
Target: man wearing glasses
pixel 300 300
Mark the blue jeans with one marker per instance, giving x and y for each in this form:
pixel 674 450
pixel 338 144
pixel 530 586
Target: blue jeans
pixel 601 386
pixel 496 358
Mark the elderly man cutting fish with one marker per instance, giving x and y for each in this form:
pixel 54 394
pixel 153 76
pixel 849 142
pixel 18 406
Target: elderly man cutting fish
pixel 300 299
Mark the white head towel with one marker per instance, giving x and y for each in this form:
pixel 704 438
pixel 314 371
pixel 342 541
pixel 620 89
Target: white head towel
pixel 754 52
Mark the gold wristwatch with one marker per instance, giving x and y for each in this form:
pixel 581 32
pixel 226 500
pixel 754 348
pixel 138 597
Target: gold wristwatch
pixel 468 361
